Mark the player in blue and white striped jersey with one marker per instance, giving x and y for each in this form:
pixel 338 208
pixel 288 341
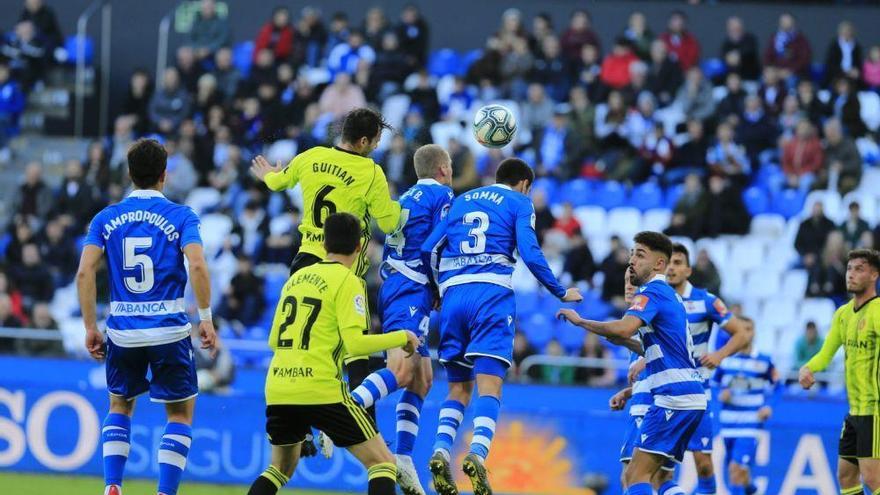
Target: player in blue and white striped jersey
pixel 679 401
pixel 746 381
pixel 145 239
pixel 704 311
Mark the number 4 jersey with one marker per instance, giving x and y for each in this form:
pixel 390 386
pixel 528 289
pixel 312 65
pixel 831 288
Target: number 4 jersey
pixel 335 180
pixel 143 237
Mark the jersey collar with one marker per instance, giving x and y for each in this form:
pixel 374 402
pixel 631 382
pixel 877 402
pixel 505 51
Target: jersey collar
pixel 428 182
pixel 145 194
pixel 503 186
pixel 657 277
pixel 688 288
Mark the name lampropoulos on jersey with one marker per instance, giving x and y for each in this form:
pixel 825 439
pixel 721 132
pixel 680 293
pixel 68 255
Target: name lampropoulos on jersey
pixel 155 219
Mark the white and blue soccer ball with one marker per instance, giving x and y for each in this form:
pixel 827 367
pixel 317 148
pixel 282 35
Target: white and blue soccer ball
pixel 494 126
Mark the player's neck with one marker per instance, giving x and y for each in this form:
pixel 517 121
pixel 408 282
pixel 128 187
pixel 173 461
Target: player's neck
pixel 348 147
pixel 864 297
pixel 345 260
pixel 680 288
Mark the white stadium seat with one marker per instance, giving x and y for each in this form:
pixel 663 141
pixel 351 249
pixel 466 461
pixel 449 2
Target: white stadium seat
pixel 830 201
pixel 794 284
pixel 443 131
pixel 732 283
pixel 718 250
pixel 747 253
pixel 593 220
pixel 600 247
pixel 203 198
pixel 216 227
pixel 870 183
pixel 762 283
pixel 781 255
pixel 867 205
pixel 768 225
pixel 656 220
pixel 394 109
pixel 766 337
pixel 625 222
pixel 778 312
pixel 870 109
pixel 819 310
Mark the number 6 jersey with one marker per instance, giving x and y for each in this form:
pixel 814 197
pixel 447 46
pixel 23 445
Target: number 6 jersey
pixel 143 237
pixel 334 180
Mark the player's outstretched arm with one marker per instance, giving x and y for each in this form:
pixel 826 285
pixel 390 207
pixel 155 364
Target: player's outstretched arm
pixel 86 288
pixel 531 254
pixel 201 283
pixel 740 335
pixel 273 177
pixel 624 328
pixel 633 345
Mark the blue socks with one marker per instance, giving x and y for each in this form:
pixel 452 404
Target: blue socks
pixel 706 486
pixel 374 387
pixel 737 490
pixel 409 407
pixel 451 414
pixel 670 488
pixel 751 489
pixel 116 443
pixel 485 415
pixel 172 456
pixel 641 489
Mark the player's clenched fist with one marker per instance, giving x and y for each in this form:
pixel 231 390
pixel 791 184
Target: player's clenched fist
pixel 618 401
pixel 95 344
pixel 412 343
pixel 572 295
pixel 806 378
pixel 260 167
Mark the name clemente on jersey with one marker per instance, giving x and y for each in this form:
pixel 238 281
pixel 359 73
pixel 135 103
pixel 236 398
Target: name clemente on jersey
pixel 311 278
pixel 151 218
pixel 336 170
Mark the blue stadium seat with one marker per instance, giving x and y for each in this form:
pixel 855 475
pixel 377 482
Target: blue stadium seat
pixel 467 60
pixel 578 192
pixel 526 304
pixel 538 329
pixel 672 195
pixel 243 56
pixel 443 62
pixel 609 195
pixel 817 72
pixel 646 196
pixel 257 333
pixel 770 178
pixel 549 186
pixel 713 68
pixel 70 46
pixel 570 337
pixel 756 200
pixel 5 239
pixel 274 283
pixel 788 202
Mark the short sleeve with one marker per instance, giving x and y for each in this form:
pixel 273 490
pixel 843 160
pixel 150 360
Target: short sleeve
pixel 190 229
pixel 95 235
pixel 717 310
pixel 645 306
pixel 351 306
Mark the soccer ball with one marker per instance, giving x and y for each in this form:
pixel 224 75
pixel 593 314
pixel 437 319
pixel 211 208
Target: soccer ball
pixel 494 126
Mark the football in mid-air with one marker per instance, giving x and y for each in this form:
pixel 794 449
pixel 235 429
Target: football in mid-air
pixel 494 126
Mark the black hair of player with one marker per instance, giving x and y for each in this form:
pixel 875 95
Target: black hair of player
pixel 342 233
pixel 362 123
pixel 682 249
pixel 655 241
pixel 871 257
pixel 147 160
pixel 511 171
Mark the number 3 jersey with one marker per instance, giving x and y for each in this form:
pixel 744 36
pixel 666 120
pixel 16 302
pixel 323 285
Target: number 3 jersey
pixel 334 180
pixel 143 237
pixel 483 228
pixel 320 318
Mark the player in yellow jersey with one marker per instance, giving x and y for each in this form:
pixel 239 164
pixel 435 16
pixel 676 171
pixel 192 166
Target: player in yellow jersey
pixel 856 327
pixel 320 318
pixel 339 179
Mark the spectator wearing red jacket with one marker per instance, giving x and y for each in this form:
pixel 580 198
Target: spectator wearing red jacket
pixel 276 35
pixel 788 49
pixel 615 68
pixel 802 155
pixel 683 46
pixel 579 33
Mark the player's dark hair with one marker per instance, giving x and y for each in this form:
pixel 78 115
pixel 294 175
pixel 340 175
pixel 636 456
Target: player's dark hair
pixel 746 318
pixel 655 241
pixel 513 170
pixel 871 256
pixel 146 162
pixel 342 233
pixel 362 122
pixel 682 249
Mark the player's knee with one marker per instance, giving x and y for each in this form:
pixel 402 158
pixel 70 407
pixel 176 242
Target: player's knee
pixel 737 474
pixel 704 466
pixel 119 405
pixel 403 376
pixel 461 391
pixel 871 478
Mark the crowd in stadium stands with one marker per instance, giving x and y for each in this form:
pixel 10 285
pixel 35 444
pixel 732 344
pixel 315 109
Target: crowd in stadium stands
pixel 704 130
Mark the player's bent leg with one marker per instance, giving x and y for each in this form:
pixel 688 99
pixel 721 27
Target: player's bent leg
pixel 116 443
pixel 739 478
pixel 409 409
pixel 490 378
pixel 381 470
pixel 175 444
pixel 283 464
pixel 705 474
pixel 380 384
pixel 461 388
pixel 848 476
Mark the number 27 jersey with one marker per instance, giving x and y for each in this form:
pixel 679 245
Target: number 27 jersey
pixel 143 237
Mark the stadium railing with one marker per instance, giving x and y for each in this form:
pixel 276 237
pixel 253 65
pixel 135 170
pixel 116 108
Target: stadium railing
pixel 82 24
pixel 162 45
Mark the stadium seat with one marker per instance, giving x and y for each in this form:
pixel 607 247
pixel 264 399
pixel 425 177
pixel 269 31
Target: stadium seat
pixel 819 310
pixel 788 203
pixel 394 109
pixel 203 199
pixel 547 185
pixel 780 254
pixel 766 338
pixel 747 254
pixel 778 312
pixel 243 56
pixel 625 222
pixel 215 229
pixel 578 192
pixel 768 226
pixel 274 281
pixel 817 72
pixel 870 183
pixel 646 196
pixel 657 219
pixel 770 177
pixel 570 337
pixel 732 284
pixel 713 68
pixel 752 306
pixel 593 220
pixel 794 284
pixel 443 62
pixel 609 194
pixel 867 205
pixel 870 109
pixel 600 246
pixel 522 279
pixel 719 93
pixel 671 196
pixel 759 282
pixel 718 250
pixel 71 45
pixel 467 60
pixel 538 329
pixel 443 131
pixel 869 150
pixel 830 201
pixel 756 200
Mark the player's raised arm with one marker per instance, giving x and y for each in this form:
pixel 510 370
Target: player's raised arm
pixel 277 178
pixel 530 251
pixel 385 210
pixel 86 288
pixel 201 284
pixel 823 358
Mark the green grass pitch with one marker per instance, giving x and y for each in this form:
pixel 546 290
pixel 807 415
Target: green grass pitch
pixel 42 484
